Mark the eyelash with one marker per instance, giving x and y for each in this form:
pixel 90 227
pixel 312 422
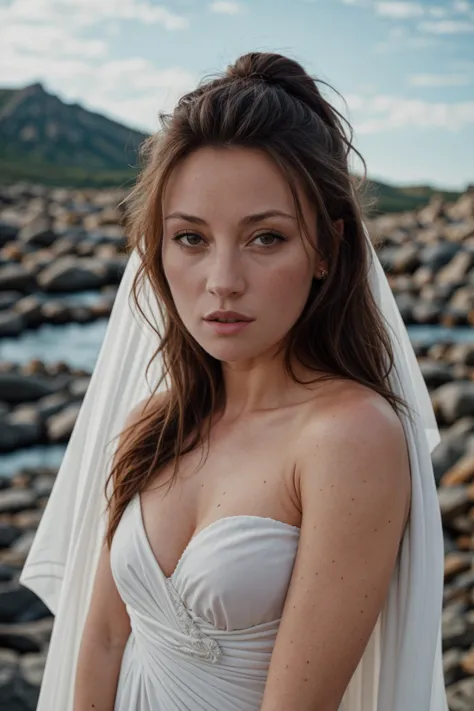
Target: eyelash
pixel 178 237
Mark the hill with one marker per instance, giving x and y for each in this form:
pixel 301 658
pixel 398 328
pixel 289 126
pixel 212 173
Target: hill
pixel 45 140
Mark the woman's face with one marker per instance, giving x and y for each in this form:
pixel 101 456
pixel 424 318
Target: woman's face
pixel 220 251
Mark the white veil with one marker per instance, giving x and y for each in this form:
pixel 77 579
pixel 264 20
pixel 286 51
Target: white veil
pixel 401 668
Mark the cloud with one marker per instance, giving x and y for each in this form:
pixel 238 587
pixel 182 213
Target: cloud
pixel 52 40
pixel 448 27
pixel 225 7
pixel 439 80
pixel 85 13
pixel 383 113
pixel 462 7
pixel 399 10
pixel 130 90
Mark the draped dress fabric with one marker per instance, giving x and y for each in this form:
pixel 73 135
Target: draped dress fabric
pixel 201 638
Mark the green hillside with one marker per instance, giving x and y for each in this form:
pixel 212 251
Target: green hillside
pixel 44 140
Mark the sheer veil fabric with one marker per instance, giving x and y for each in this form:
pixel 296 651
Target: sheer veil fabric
pixel 401 668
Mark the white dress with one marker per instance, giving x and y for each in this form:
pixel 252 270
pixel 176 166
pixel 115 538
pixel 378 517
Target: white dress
pixel 202 638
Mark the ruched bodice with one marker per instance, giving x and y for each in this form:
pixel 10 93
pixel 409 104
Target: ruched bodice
pixel 202 638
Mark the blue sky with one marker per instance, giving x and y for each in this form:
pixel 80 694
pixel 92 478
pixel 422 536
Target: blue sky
pixel 405 69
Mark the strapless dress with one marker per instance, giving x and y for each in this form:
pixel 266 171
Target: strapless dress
pixel 202 638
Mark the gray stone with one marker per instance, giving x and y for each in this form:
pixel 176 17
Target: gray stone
pixel 15 500
pixel 59 427
pixel 38 232
pixel 73 274
pixel 454 400
pixel 11 324
pixel 16 277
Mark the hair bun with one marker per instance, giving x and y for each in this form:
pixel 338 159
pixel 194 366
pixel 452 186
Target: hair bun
pixel 267 66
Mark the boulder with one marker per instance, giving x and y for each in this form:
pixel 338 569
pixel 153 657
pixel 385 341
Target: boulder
pixel 73 274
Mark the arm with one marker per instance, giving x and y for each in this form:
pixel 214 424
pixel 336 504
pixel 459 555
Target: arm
pixel 355 486
pixel 105 633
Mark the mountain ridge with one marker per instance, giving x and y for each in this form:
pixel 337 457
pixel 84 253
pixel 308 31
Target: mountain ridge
pixel 45 140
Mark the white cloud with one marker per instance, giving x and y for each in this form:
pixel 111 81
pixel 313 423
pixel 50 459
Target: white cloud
pixel 439 80
pixel 131 91
pixel 448 27
pixel 382 113
pixel 50 40
pixel 225 7
pixel 399 10
pixel 437 12
pixel 462 7
pixel 84 13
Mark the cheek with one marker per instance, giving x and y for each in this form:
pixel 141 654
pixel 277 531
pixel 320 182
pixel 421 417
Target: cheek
pixel 285 290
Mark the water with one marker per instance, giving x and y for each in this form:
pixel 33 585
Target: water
pixel 40 456
pixel 79 346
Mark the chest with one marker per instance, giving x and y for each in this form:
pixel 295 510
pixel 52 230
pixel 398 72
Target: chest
pixel 248 470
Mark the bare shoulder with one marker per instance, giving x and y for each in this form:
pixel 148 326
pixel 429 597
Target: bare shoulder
pixel 354 440
pixel 143 406
pixel 354 483
pixel 350 415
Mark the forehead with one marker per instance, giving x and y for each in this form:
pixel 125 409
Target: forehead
pixel 231 181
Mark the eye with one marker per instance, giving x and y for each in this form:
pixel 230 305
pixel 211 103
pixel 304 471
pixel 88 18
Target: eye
pixel 179 237
pixel 274 237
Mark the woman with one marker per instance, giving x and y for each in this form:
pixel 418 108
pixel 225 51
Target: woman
pixel 260 497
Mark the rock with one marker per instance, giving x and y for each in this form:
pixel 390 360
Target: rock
pixel 454 400
pixel 8 535
pixel 455 272
pixel 52 404
pixel 438 255
pixel 78 387
pixel 16 277
pixel 32 668
pixel 452 665
pixel 73 274
pixel 59 427
pixel 38 232
pixel 427 311
pixel 55 312
pixel 35 262
pixel 431 212
pixel 461 473
pixel 26 637
pixel 406 303
pixel 456 563
pixel 8 233
pixel 16 388
pixel 460 695
pixel 29 308
pixel 11 323
pixel 435 373
pixel 453 501
pixel 14 600
pixel 9 299
pixel 16 500
pixel 461 353
pixel 26 425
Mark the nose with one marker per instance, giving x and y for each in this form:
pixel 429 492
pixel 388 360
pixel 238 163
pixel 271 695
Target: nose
pixel 225 276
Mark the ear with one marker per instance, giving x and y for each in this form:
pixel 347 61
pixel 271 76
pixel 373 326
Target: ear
pixel 339 225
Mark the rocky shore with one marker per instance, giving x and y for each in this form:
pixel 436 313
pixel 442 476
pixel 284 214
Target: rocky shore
pixel 61 242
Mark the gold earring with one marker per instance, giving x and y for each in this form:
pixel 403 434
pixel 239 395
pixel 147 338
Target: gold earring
pixel 323 274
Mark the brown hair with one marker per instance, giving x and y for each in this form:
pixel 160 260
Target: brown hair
pixel 265 101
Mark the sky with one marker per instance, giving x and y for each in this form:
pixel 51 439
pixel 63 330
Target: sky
pixel 405 70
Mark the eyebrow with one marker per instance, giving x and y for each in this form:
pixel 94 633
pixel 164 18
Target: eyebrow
pixel 248 220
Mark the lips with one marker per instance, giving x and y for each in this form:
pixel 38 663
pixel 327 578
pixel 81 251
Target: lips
pixel 227 317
